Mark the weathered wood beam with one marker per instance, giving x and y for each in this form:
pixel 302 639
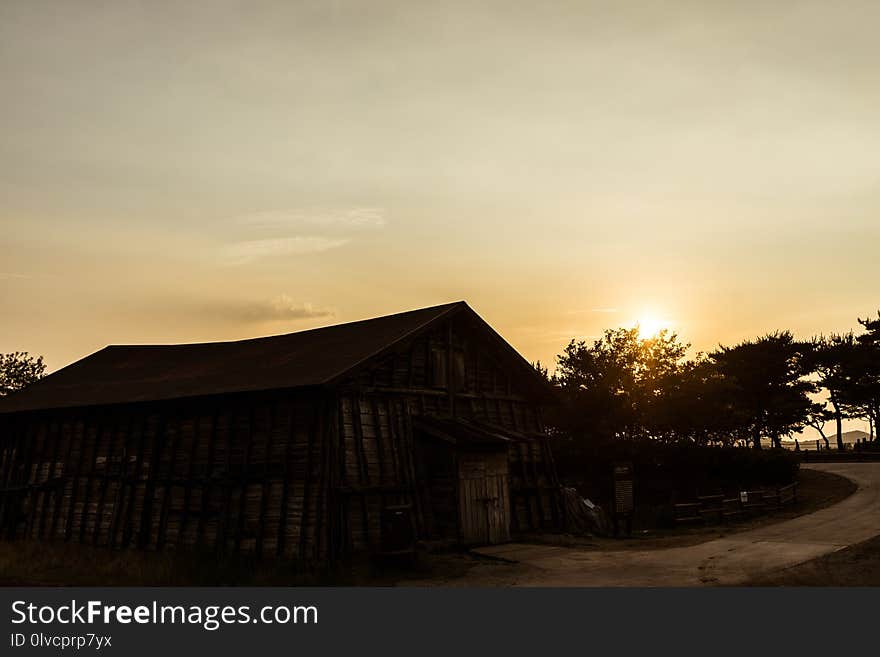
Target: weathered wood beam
pixel 243 480
pixel 264 492
pixel 190 475
pixel 122 485
pixel 307 485
pixel 150 489
pixel 167 481
pixel 102 495
pixel 90 475
pixel 77 476
pixel 208 487
pixel 220 540
pixel 285 484
pixel 128 521
pixel 322 482
pixel 49 492
pixel 56 511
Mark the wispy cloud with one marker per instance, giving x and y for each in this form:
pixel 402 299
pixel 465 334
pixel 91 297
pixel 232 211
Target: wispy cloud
pixel 282 307
pixel 348 217
pixel 8 275
pixel 278 233
pixel 242 253
pixel 584 311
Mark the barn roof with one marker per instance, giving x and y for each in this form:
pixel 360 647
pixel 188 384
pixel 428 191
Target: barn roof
pixel 136 373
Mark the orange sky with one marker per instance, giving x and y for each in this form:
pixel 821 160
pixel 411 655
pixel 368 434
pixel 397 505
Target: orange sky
pixel 184 174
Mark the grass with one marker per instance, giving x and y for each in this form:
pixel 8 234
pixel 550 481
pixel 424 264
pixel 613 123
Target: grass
pixel 33 563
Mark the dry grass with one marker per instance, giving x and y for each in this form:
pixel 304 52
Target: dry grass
pixel 32 563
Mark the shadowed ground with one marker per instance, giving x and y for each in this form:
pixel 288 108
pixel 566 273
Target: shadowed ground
pixel 735 559
pixel 760 547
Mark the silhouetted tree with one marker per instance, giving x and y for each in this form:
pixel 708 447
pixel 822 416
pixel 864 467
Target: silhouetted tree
pixel 834 359
pixel 696 403
pixel 818 416
pixel 623 386
pixel 597 382
pixel 19 369
pixel 768 391
pixel 863 394
pixel 610 388
pixel 542 370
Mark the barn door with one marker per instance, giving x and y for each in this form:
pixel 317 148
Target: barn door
pixel 484 502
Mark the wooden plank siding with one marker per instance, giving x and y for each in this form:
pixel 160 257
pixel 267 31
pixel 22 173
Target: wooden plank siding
pixel 235 473
pixel 481 389
pixel 301 474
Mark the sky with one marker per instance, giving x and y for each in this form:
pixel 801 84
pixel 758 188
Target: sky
pixel 180 172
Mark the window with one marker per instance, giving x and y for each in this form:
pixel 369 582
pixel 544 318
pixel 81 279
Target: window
pixel 459 372
pixel 438 368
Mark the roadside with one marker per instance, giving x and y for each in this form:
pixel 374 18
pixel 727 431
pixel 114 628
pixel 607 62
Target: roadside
pixel 816 490
pixel 857 565
pixel 731 558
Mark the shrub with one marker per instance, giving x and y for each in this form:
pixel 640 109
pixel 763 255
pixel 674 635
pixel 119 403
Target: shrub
pixel 666 472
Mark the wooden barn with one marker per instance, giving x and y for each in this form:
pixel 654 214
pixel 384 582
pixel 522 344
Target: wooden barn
pixel 294 446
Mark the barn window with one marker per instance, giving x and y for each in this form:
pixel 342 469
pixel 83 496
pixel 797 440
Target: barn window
pixel 459 373
pixel 438 368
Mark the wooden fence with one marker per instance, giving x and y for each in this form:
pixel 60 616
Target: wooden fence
pixel 727 508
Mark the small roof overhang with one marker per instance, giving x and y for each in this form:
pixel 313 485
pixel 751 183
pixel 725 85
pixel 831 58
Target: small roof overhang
pixel 466 433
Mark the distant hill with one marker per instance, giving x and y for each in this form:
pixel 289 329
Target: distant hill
pixel 848 437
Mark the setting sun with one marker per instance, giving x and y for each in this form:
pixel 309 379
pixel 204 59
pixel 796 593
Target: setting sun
pixel 651 325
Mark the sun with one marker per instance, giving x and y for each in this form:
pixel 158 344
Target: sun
pixel 650 325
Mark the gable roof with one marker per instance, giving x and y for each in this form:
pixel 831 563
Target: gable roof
pixel 137 373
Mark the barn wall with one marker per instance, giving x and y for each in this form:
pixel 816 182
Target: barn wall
pixel 294 475
pixel 376 466
pixel 248 474
pixel 454 370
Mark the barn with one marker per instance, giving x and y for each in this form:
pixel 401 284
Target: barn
pixel 294 446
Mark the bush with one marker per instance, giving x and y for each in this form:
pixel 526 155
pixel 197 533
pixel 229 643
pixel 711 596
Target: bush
pixel 665 473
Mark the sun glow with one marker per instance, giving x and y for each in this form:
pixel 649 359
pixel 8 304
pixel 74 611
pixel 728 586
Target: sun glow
pixel 650 325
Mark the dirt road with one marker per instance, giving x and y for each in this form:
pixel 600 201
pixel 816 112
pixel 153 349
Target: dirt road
pixel 733 559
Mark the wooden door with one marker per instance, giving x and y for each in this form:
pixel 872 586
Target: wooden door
pixel 484 500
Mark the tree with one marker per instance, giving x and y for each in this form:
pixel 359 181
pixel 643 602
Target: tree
pixel 610 388
pixel 542 370
pixel 834 360
pixel 19 369
pixel 768 392
pixel 696 405
pixel 863 395
pixel 597 382
pixel 818 417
